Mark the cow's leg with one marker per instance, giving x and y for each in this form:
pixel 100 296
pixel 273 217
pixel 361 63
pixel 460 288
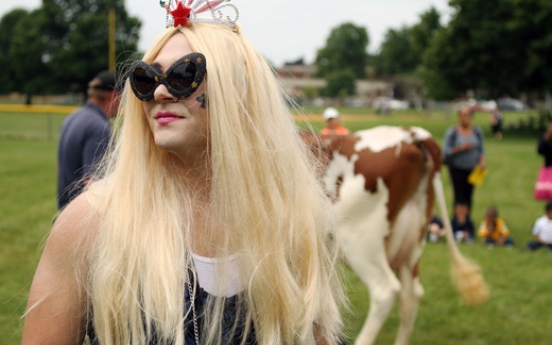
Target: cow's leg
pixel 411 221
pixel 374 271
pixel 361 235
pixel 411 292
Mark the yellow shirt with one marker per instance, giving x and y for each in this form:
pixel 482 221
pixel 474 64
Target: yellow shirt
pixel 500 231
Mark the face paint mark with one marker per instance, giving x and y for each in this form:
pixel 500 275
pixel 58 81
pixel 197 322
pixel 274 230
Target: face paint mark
pixel 203 100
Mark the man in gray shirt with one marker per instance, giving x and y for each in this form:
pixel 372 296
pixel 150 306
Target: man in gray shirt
pixel 84 137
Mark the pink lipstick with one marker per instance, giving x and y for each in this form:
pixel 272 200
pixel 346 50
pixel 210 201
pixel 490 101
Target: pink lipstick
pixel 166 117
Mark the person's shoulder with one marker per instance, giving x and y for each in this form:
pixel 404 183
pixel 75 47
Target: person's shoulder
pixel 478 131
pixel 542 219
pixel 450 130
pixel 77 223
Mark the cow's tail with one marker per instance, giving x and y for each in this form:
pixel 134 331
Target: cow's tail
pixel 466 274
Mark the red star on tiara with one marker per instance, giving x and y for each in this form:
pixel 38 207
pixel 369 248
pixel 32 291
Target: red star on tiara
pixel 181 14
pixel 200 11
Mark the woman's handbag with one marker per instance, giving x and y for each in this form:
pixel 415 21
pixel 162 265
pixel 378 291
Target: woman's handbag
pixel 477 176
pixel 543 186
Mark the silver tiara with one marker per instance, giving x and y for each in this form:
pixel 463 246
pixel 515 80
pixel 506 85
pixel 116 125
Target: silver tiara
pixel 183 12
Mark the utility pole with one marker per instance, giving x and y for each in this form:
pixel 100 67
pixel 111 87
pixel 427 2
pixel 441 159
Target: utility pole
pixel 112 39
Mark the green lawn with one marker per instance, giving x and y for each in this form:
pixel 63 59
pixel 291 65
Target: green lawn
pixel 517 312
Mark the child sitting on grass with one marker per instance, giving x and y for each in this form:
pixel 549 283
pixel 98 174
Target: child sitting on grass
pixel 542 230
pixel 436 230
pixel 462 225
pixel 494 230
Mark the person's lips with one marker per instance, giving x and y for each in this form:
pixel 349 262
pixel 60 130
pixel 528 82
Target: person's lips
pixel 166 117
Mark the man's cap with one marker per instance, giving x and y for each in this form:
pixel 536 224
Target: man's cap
pixel 105 81
pixel 330 113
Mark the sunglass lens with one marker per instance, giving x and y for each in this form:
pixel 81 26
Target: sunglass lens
pixel 144 82
pixel 182 77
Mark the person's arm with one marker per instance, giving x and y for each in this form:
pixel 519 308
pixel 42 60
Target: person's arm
pixel 481 147
pixel 545 146
pixel 447 142
pixel 56 305
pixel 470 228
pixel 483 231
pixel 95 146
pixel 504 232
pixel 548 134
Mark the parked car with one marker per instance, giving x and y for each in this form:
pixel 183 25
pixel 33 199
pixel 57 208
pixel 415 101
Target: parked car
pixel 356 103
pixel 507 103
pixel 389 103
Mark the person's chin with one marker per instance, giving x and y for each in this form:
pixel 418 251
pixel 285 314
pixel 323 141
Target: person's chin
pixel 167 143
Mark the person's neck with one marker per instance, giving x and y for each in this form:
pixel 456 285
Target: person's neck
pixel 98 103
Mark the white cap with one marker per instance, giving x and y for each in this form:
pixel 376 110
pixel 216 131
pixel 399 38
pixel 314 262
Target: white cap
pixel 330 113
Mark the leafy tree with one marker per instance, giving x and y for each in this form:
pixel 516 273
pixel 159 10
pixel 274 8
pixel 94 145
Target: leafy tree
pixel 532 20
pixel 61 46
pixel 494 47
pixel 30 72
pixel 345 49
pixel 423 32
pixel 340 83
pixel 78 31
pixel 402 50
pixel 396 53
pixel 7 27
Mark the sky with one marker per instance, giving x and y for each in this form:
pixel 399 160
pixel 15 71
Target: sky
pixel 286 30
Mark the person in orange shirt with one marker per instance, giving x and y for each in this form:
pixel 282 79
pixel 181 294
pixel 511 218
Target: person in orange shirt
pixel 333 123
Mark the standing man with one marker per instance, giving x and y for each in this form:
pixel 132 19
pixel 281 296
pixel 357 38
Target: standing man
pixel 333 123
pixel 84 137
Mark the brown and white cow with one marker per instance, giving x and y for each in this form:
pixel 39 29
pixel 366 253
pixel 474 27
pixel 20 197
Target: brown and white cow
pixel 383 182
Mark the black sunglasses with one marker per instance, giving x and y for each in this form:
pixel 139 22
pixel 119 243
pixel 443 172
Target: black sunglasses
pixel 181 79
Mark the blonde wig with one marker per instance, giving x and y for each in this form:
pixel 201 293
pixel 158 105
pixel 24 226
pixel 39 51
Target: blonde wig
pixel 265 208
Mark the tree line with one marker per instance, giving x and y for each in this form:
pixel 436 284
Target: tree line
pixel 493 47
pixel 62 45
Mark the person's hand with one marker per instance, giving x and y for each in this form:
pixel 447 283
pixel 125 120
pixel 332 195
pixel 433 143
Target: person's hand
pixel 463 147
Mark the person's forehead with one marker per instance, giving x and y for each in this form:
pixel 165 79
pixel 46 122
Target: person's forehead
pixel 175 48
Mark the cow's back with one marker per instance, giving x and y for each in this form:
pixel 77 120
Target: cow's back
pixel 399 157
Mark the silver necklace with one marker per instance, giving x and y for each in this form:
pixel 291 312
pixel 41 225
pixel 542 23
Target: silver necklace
pixel 192 303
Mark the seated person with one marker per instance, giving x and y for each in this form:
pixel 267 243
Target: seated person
pixel 436 229
pixel 462 225
pixel 542 230
pixel 494 230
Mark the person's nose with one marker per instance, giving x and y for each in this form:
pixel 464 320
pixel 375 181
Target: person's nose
pixel 162 95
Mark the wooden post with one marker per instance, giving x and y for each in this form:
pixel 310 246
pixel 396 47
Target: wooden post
pixel 112 39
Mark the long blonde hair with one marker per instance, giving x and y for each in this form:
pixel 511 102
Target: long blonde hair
pixel 265 207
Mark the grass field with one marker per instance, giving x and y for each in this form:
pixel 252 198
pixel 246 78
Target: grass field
pixel 517 312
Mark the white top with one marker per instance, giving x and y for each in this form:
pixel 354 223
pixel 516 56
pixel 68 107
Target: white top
pixel 543 229
pixel 206 268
